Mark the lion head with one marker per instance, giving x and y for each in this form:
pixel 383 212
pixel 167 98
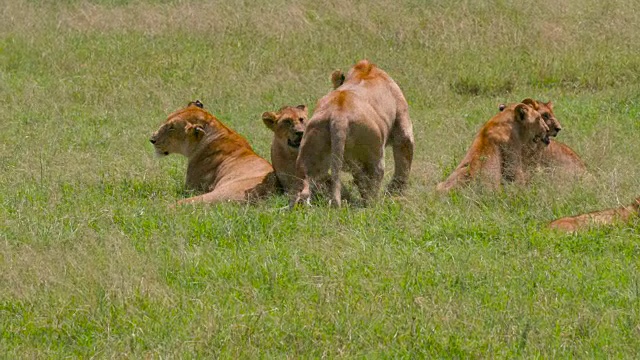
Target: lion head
pixel 288 124
pixel 181 131
pixel 546 111
pixel 530 124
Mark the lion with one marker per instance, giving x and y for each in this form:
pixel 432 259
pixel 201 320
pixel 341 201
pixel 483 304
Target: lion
pixel 350 128
pixel 221 162
pixel 556 154
pixel 603 217
pixel 496 152
pixel 288 126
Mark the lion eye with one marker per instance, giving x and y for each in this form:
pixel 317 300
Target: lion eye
pixel 545 116
pixel 301 120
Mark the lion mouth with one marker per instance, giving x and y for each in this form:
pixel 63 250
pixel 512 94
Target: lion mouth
pixel 546 140
pixel 294 144
pixel 554 132
pixel 161 153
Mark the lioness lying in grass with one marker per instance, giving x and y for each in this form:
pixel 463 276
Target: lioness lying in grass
pixel 221 162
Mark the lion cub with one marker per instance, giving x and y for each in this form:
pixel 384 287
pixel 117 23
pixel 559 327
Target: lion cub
pixel 603 217
pixel 556 154
pixel 350 128
pixel 288 126
pixel 496 152
pixel 221 162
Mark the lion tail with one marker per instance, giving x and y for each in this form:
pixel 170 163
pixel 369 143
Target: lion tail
pixel 338 131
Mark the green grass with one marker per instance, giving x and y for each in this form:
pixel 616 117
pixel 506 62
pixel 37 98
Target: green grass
pixel 94 263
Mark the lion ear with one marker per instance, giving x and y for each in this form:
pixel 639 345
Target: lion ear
pixel 196 103
pixel 196 130
pixel 549 105
pixel 303 108
pixel 337 78
pixel 501 107
pixel 521 111
pixel 269 119
pixel 530 102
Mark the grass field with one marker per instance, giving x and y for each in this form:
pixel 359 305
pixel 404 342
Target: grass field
pixel 93 263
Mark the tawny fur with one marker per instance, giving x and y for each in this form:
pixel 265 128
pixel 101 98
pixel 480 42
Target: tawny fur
pixel 349 130
pixel 288 125
pixel 221 163
pixel 597 218
pixel 556 155
pixel 496 152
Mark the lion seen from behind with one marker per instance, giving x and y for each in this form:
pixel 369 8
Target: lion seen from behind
pixel 349 130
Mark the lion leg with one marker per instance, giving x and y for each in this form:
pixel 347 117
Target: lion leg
pixel 213 197
pixel 303 196
pixel 459 176
pixel 511 164
pixel 362 182
pixel 403 143
pixel 492 172
pixel 238 191
pixel 310 180
pixel 368 179
pixel 604 217
pixel 312 164
pixel 566 224
pixel 575 223
pixel 376 175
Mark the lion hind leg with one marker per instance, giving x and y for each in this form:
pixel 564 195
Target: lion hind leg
pixel 566 224
pixel 368 179
pixel 460 176
pixel 402 143
pixel 596 218
pixel 376 174
pixel 312 164
pixel 245 190
pixel 214 197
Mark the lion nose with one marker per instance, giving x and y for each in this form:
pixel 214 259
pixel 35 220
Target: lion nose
pixel 152 141
pixel 558 129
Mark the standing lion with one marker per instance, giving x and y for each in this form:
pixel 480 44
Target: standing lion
pixel 349 130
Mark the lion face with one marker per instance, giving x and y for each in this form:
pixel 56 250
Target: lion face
pixel 546 111
pixel 288 124
pixel 179 132
pixel 532 125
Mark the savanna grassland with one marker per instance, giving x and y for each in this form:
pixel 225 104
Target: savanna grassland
pixel 94 263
